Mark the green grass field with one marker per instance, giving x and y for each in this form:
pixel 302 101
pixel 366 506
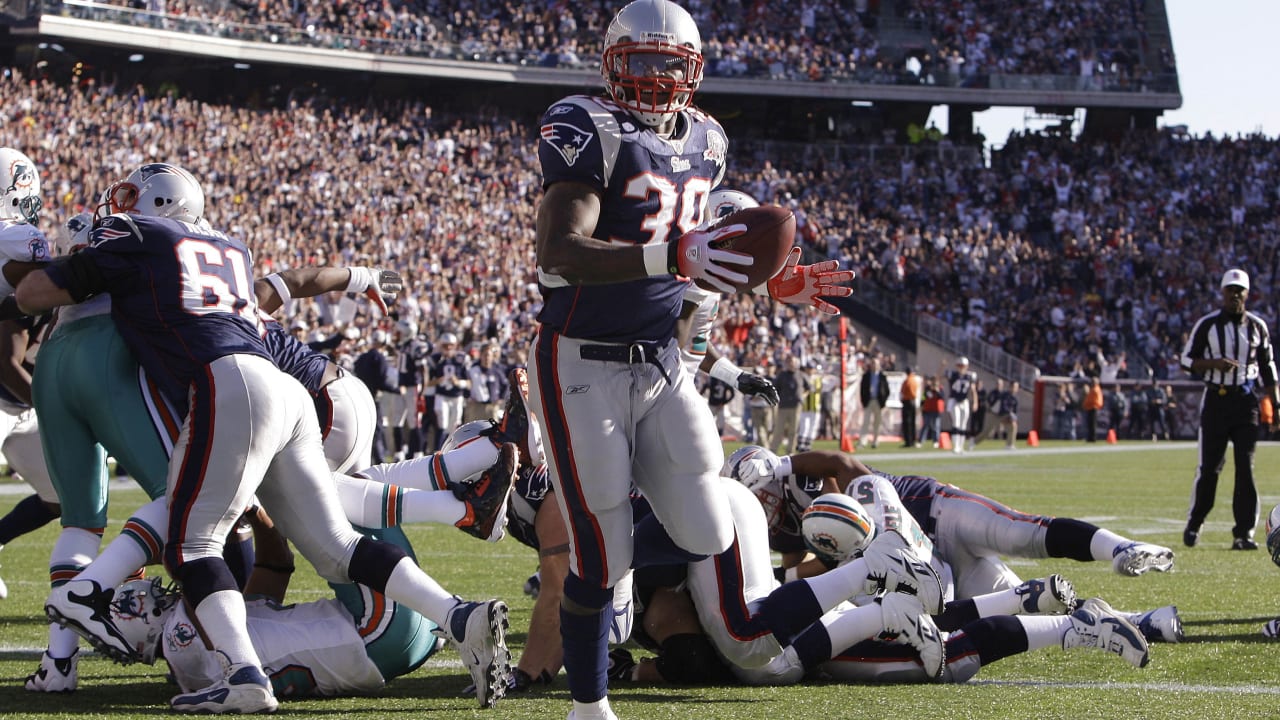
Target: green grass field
pixel 1226 669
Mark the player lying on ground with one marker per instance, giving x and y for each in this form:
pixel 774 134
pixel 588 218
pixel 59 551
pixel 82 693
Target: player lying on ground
pixel 966 530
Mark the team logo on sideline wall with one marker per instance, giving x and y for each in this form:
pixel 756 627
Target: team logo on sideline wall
pixel 568 140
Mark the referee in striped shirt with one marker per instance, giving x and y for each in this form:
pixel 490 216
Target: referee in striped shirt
pixel 1230 349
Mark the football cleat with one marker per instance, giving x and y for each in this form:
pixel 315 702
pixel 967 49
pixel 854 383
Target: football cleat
pixel 1272 629
pixel 1053 595
pixel 486 497
pixel 515 426
pixel 1094 624
pixel 1135 558
pixel 54 674
pixel 85 608
pixel 894 567
pixel 245 690
pixel 1244 544
pixel 1159 625
pixel 479 630
pixel 906 620
pixel 1191 536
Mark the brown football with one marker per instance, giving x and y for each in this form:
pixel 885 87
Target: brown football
pixel 771 232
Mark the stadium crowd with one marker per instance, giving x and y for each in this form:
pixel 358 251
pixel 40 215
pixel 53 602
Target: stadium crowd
pixel 1058 251
pixel 815 40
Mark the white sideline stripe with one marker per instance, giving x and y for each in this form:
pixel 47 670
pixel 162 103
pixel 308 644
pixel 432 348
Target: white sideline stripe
pixel 1155 686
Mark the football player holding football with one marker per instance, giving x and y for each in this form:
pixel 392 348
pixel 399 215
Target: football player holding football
pixel 626 179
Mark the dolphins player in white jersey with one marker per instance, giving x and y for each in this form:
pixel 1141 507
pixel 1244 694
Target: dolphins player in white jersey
pixel 23 247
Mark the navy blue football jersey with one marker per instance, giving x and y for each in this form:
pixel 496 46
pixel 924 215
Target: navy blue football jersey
pixel 449 369
pixel 294 356
pixel 531 488
pixel 181 296
pixel 652 190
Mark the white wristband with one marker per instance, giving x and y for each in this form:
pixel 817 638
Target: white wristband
pixel 783 471
pixel 725 371
pixel 791 574
pixel 655 259
pixel 762 289
pixel 361 279
pixel 281 287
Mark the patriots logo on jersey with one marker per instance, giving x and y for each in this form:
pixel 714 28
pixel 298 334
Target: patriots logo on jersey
pixel 568 140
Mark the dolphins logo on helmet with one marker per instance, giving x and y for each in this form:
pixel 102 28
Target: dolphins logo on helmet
pixel 19 187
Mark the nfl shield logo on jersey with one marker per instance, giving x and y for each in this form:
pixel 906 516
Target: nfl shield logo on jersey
pixel 567 139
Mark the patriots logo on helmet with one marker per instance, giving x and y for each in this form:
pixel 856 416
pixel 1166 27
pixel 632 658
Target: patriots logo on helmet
pixel 568 140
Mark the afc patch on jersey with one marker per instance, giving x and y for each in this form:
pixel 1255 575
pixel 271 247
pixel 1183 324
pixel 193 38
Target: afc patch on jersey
pixel 717 147
pixel 568 140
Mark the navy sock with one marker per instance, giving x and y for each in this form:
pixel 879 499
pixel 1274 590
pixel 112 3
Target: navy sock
pixel 586 639
pixel 956 615
pixel 790 609
pixel 813 646
pixel 28 515
pixel 239 554
pixel 996 638
pixel 1069 538
pixel 654 546
pixel 203 577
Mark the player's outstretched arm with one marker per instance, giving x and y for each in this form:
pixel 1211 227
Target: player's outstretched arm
pixel 276 289
pixel 543 653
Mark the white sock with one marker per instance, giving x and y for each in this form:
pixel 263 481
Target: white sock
pixel 373 504
pixel 1044 630
pixel 433 472
pixel 1001 602
pixel 593 710
pixel 223 617
pixel 410 586
pixel 851 627
pixel 835 586
pixel 139 544
pixel 1104 543
pixel 62 642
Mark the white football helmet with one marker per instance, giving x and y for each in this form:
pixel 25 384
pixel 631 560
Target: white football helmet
pixel 751 465
pixel 652 59
pixel 75 233
pixel 139 610
pixel 158 190
pixel 722 203
pixel 1271 528
pixel 465 433
pixel 837 527
pixel 19 187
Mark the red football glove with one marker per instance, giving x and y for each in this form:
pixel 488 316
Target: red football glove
pixel 380 286
pixel 797 284
pixel 692 256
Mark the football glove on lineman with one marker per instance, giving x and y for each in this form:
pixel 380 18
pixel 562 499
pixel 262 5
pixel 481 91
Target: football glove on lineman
pixel 380 286
pixel 692 256
pixel 759 386
pixel 797 284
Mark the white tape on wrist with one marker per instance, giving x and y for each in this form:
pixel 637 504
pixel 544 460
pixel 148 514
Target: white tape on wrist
pixel 361 279
pixel 655 259
pixel 783 471
pixel 725 371
pixel 281 287
pixel 791 575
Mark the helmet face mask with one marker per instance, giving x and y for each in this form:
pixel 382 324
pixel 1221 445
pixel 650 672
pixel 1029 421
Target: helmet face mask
pixel 19 187
pixel 652 60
